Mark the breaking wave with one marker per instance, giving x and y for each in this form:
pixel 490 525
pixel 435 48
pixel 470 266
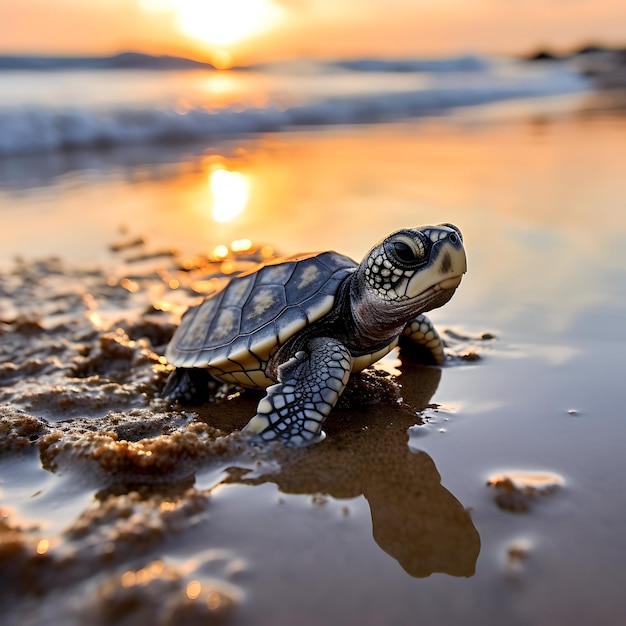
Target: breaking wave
pixel 43 129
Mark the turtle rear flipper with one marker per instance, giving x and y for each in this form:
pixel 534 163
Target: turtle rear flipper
pixel 309 385
pixel 188 386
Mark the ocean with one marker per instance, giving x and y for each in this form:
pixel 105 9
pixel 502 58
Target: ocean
pixel 56 110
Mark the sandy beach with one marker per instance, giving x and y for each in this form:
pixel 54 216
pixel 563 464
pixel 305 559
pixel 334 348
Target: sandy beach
pixel 486 491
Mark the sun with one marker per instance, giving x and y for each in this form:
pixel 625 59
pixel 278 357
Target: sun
pixel 224 23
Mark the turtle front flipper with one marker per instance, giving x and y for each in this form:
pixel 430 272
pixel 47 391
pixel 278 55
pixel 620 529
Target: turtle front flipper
pixel 421 342
pixel 309 385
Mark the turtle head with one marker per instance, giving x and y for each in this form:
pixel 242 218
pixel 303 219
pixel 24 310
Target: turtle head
pixel 414 270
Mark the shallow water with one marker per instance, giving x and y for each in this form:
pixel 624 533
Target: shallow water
pixel 491 493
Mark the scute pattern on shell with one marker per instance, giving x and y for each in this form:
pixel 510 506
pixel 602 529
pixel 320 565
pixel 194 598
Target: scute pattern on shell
pixel 235 331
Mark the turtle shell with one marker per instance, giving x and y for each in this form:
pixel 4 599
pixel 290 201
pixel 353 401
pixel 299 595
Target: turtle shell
pixel 236 330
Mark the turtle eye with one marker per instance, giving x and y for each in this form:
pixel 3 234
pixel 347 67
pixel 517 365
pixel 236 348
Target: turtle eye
pixel 404 251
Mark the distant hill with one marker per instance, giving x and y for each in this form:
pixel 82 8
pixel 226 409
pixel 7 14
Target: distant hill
pixel 586 50
pixel 123 61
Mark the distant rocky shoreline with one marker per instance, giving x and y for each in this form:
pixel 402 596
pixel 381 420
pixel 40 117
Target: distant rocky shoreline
pixel 122 61
pixel 605 66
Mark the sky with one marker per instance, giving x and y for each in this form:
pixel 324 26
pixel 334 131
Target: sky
pixel 248 31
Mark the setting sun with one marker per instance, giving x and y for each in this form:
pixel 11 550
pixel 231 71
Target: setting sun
pixel 224 23
pixel 217 27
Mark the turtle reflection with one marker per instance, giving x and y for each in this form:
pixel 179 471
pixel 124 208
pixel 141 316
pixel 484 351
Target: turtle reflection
pixel 415 519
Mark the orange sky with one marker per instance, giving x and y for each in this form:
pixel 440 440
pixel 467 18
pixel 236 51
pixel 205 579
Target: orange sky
pixel 295 28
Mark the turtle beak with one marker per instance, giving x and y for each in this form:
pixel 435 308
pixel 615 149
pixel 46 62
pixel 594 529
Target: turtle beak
pixel 447 263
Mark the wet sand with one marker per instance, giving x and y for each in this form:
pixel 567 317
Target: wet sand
pixel 487 491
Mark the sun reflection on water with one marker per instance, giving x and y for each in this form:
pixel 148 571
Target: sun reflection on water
pixel 231 192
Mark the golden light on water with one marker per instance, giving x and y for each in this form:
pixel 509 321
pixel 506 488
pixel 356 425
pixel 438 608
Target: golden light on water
pixel 231 193
pixel 241 245
pixel 220 252
pixel 129 285
pixel 143 576
pixel 194 588
pixel 214 600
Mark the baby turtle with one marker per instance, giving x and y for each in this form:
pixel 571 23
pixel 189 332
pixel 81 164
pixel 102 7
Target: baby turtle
pixel 299 326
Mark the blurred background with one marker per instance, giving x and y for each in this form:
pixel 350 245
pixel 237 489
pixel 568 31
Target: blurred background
pixel 199 122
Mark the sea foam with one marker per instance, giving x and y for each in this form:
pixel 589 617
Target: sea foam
pixel 46 128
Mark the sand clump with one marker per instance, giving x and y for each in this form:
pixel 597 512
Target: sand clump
pixel 81 369
pixel 165 457
pixel 517 491
pixel 101 557
pixel 18 430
